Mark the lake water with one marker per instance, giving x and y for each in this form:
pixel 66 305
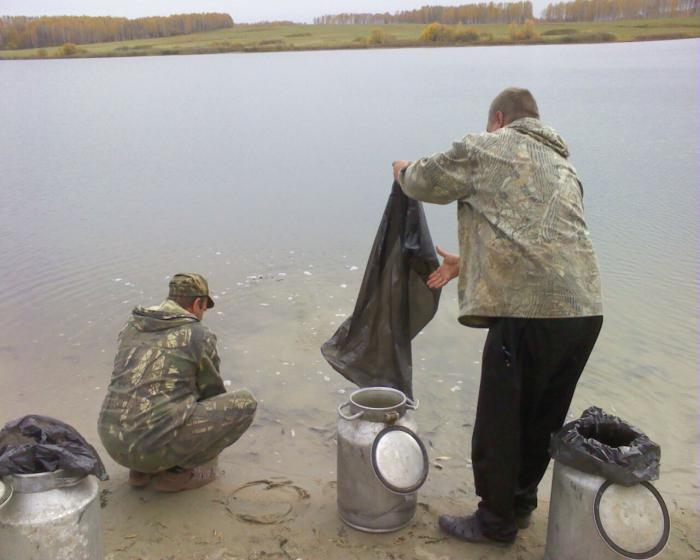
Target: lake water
pixel 268 173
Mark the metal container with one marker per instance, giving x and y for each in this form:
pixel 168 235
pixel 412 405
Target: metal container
pixel 51 516
pixel 593 519
pixel 381 461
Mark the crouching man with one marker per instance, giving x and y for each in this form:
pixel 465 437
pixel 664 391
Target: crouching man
pixel 167 412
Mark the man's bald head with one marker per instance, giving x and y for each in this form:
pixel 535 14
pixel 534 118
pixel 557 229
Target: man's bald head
pixel 510 105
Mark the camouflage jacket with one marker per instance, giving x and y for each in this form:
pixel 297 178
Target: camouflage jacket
pixel 525 250
pixel 165 363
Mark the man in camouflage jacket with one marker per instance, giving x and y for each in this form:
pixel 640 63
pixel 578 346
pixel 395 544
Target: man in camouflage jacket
pixel 167 412
pixel 528 272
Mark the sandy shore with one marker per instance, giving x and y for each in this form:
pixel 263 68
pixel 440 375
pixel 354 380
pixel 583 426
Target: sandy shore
pixel 290 457
pixel 290 513
pixel 275 497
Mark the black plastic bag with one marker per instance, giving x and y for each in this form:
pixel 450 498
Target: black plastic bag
pixel 607 446
pixel 372 347
pixel 35 444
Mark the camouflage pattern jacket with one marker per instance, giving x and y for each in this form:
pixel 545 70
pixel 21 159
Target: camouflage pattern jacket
pixel 166 362
pixel 525 250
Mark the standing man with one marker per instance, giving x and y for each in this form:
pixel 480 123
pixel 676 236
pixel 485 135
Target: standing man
pixel 167 412
pixel 527 272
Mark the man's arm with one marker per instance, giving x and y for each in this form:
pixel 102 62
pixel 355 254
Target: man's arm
pixel 441 178
pixel 209 382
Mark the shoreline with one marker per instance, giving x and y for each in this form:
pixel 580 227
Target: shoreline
pixel 272 38
pixel 417 45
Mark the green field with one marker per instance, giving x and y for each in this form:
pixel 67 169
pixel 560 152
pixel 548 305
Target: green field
pixel 280 37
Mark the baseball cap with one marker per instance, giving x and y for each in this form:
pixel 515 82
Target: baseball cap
pixel 191 285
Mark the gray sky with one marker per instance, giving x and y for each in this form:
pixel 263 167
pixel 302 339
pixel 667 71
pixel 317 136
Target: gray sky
pixel 240 10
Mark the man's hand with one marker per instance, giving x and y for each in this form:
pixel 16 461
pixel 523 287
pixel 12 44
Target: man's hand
pixel 448 270
pixel 398 166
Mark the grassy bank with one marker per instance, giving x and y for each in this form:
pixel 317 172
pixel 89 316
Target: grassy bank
pixel 274 37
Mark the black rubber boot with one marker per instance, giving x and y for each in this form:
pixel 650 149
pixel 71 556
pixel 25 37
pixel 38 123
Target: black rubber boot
pixel 469 529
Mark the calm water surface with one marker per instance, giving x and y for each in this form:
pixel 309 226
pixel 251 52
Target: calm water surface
pixel 269 174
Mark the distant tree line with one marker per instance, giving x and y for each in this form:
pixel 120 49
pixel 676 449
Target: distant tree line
pixel 20 32
pixel 502 12
pixel 607 10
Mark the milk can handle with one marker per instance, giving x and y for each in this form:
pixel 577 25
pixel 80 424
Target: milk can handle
pixel 67 480
pixel 348 418
pixel 411 404
pixel 51 481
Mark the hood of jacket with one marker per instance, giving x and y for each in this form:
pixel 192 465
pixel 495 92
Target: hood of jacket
pixel 167 315
pixel 542 133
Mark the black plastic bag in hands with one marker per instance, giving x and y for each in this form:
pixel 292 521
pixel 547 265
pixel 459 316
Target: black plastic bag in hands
pixel 607 446
pixel 36 444
pixel 373 346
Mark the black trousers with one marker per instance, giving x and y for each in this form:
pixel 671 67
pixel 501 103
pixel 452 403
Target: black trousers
pixel 529 372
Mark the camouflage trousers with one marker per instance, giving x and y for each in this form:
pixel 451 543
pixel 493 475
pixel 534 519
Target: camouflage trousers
pixel 215 424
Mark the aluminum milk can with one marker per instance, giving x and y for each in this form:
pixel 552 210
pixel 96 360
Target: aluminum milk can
pixel 381 461
pixel 591 518
pixel 50 516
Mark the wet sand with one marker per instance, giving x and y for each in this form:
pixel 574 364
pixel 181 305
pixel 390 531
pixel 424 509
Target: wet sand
pixel 212 523
pixel 275 496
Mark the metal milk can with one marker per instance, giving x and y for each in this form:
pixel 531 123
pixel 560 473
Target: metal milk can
pixel 591 518
pixel 50 516
pixel 381 461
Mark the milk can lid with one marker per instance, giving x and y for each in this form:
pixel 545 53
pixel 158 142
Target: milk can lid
pixel 5 493
pixel 632 520
pixel 399 460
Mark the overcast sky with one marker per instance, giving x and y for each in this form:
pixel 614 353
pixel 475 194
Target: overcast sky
pixel 240 10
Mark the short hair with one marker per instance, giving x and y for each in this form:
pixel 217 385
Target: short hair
pixel 514 103
pixel 186 302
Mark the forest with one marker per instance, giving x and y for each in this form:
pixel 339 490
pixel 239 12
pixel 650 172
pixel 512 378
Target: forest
pixel 20 32
pixel 610 10
pixel 502 12
pixel 519 12
pixel 574 21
